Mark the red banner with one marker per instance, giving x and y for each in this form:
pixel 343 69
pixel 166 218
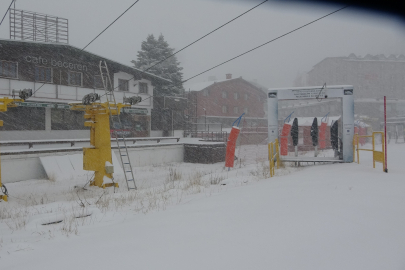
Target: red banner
pixel 230 147
pixel 284 139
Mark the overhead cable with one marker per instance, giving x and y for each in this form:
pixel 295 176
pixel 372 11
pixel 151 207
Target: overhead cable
pixel 98 34
pixel 296 29
pixel 12 1
pixel 110 25
pixel 170 56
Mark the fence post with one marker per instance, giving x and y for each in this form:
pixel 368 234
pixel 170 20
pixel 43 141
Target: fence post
pixel 269 152
pixel 277 154
pixel 373 140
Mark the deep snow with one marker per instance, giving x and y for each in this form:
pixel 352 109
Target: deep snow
pixel 336 216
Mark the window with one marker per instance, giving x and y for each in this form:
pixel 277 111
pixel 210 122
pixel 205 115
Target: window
pixel 123 85
pixel 224 109
pixel 245 110
pixel 205 93
pixel 8 69
pixel 246 96
pixel 75 78
pixel 235 95
pixel 143 88
pixel 224 94
pixel 98 82
pixel 235 109
pixel 43 74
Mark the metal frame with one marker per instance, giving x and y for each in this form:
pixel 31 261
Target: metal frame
pixel 378 156
pixel 345 92
pixel 28 25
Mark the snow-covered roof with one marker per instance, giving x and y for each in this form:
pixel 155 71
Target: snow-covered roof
pixel 201 85
pixel 307 121
pixel 68 45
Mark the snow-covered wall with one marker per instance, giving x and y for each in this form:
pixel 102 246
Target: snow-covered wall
pixel 41 134
pixel 26 166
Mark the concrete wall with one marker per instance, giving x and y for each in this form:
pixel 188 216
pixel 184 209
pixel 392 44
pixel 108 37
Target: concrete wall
pixel 159 133
pixel 26 165
pixel 44 134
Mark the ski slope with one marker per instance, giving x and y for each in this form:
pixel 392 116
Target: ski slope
pixel 336 216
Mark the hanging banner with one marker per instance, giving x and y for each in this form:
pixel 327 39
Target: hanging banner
pixel 284 139
pixel 230 147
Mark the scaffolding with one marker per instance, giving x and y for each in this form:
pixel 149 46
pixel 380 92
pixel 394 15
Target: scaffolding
pixel 33 26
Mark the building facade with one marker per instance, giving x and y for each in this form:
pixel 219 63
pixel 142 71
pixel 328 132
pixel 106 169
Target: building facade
pixel 59 74
pixel 372 76
pixel 216 104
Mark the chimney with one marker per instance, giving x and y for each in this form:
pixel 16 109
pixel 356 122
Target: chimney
pixel 228 76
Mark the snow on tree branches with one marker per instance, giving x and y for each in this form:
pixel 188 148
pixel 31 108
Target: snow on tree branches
pixel 153 51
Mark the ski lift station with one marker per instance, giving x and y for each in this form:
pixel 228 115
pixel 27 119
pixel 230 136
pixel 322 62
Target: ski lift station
pixel 59 74
pixel 343 92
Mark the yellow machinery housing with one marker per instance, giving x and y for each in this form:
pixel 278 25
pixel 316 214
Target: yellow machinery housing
pixel 98 155
pixel 6 103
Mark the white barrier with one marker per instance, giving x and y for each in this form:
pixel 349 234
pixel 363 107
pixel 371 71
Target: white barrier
pixel 20 165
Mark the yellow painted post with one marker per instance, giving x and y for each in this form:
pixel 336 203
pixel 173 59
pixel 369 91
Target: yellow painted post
pixel 358 155
pixel 2 197
pixel 383 150
pixel 354 147
pixel 373 142
pixel 269 149
pixel 277 154
pixel 271 159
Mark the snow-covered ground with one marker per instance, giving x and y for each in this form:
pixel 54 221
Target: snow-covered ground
pixel 198 216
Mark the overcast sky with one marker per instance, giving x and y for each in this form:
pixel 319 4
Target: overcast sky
pixel 182 21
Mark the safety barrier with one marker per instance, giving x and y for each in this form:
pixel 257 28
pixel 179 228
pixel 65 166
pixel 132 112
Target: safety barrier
pixel 274 156
pixel 378 156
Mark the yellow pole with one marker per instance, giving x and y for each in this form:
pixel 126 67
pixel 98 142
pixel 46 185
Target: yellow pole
pixel 277 154
pixel 268 148
pixel 358 154
pixel 2 197
pixel 383 149
pixel 373 140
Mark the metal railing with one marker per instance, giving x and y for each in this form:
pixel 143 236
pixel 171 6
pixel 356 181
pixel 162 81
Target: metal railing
pixel 378 156
pixel 214 136
pixel 72 142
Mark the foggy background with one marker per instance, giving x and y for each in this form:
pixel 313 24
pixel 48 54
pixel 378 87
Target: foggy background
pixel 183 21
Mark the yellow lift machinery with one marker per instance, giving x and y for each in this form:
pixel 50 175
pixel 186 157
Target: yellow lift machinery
pixel 6 103
pixel 98 157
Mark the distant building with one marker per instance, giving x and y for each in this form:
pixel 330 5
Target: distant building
pixel 216 104
pixel 60 74
pixel 373 77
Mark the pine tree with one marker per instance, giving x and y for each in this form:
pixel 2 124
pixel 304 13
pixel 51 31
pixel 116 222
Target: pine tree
pixel 153 51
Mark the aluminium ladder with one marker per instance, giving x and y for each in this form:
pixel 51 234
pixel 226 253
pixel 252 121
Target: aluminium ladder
pixel 124 156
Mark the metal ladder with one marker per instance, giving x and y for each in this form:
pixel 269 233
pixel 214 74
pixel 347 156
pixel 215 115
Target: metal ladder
pixel 121 142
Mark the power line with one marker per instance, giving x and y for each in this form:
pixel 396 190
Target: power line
pixel 110 24
pixel 170 56
pixel 7 11
pixel 265 43
pixel 97 35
